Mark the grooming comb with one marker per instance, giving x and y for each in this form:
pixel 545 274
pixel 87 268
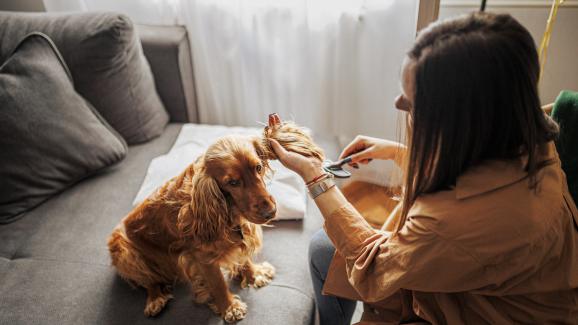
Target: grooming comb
pixel 336 168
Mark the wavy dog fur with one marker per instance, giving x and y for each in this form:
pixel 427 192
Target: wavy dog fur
pixel 204 220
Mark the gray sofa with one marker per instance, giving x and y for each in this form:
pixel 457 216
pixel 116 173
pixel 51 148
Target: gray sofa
pixel 54 262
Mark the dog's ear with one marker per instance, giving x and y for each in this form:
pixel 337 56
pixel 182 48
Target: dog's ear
pixel 292 138
pixel 263 152
pixel 205 217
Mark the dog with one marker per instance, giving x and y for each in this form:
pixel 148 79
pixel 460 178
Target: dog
pixel 204 220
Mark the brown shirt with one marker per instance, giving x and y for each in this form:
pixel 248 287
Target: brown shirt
pixel 490 250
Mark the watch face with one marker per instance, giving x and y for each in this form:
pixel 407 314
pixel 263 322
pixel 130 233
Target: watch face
pixel 319 188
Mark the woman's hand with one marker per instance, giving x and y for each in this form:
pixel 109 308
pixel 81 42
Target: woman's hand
pixel 307 168
pixel 363 149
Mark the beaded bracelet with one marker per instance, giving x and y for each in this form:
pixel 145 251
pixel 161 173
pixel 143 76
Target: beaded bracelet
pixel 316 179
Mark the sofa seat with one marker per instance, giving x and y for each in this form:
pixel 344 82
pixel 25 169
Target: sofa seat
pixel 55 267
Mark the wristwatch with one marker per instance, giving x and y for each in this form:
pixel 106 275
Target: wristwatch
pixel 321 187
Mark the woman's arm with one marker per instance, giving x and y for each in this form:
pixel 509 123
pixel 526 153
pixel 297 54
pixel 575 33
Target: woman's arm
pixel 330 201
pixel 380 263
pixel 362 149
pixel 340 226
pixel 309 169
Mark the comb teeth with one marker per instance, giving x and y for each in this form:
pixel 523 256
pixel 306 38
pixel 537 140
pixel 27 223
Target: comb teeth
pixel 339 164
pixel 335 169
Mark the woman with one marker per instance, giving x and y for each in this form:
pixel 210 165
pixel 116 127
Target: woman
pixel 487 232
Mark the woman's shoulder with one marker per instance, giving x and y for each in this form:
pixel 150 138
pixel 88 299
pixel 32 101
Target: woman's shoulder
pixel 495 199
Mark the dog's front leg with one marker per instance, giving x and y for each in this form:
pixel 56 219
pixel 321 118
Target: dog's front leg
pixel 257 275
pixel 229 306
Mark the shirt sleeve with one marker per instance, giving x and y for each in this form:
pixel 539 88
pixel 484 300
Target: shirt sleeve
pixel 379 263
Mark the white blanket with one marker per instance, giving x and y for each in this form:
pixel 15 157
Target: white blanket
pixel 286 187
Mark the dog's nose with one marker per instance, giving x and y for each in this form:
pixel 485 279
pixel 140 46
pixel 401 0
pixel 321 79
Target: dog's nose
pixel 270 214
pixel 265 205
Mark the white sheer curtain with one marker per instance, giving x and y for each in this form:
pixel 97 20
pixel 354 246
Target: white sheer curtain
pixel 332 65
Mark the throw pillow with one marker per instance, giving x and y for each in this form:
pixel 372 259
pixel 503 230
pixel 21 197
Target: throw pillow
pixel 107 64
pixel 50 137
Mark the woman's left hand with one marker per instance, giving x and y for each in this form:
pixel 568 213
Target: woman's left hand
pixel 307 167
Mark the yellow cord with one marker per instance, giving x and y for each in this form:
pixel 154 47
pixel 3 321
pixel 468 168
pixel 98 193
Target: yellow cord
pixel 543 51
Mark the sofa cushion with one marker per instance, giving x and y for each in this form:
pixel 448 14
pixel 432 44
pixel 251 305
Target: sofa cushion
pixel 50 137
pixel 107 64
pixel 36 291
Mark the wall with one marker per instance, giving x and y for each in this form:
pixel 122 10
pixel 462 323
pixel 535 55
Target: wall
pixel 22 5
pixel 561 70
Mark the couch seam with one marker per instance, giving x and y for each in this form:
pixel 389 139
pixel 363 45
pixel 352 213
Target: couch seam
pixel 290 287
pixel 55 260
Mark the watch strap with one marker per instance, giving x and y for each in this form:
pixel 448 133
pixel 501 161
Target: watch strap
pixel 321 187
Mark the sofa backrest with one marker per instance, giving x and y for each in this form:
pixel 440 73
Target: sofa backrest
pixel 169 54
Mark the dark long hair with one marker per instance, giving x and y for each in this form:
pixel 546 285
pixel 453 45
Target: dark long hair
pixel 476 98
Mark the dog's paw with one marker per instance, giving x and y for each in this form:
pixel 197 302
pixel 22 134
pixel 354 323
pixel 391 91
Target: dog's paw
pixel 236 311
pixel 263 274
pixel 154 306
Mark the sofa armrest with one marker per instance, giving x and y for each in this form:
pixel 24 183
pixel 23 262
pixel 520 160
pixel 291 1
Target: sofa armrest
pixel 168 52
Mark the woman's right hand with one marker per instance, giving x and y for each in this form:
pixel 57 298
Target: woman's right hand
pixel 363 149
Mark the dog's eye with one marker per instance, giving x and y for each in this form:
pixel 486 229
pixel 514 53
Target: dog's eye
pixel 258 168
pixel 233 182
